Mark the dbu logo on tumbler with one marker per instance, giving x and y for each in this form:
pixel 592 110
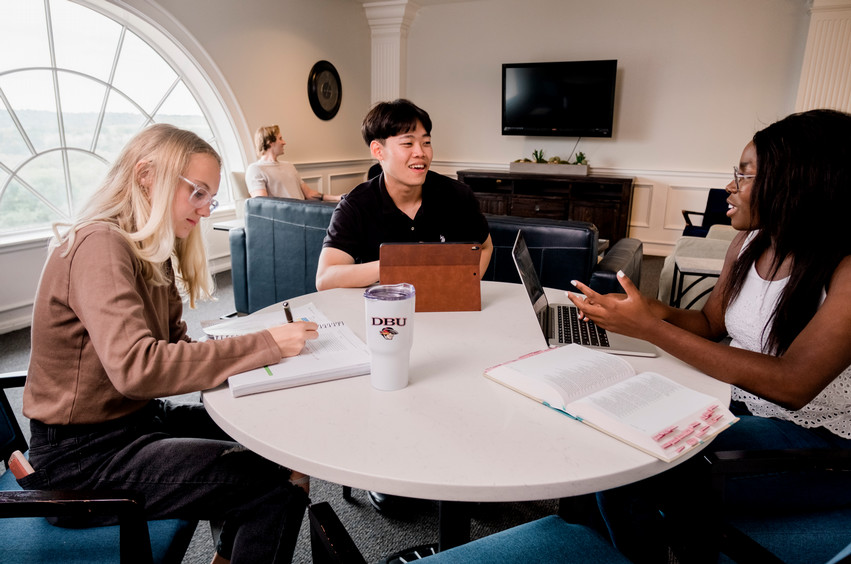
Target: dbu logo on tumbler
pixel 389 333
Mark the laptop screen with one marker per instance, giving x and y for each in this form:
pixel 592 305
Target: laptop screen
pixel 526 269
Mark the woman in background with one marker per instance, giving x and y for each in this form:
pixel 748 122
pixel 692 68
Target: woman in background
pixel 784 298
pixel 108 338
pixel 271 177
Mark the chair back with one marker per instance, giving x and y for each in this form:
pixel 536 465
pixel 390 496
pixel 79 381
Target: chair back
pixel 239 192
pixel 562 250
pixel 715 213
pixel 716 208
pixel 11 436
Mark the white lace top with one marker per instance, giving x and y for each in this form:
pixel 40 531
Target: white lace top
pixel 746 318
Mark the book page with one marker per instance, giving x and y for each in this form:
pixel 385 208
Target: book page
pixel 570 372
pixel 648 402
pixel 261 320
pixel 336 353
pixel 654 414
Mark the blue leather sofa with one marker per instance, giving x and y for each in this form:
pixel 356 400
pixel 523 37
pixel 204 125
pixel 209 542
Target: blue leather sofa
pixel 274 257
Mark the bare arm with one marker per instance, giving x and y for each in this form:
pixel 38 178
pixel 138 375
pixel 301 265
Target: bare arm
pixel 310 194
pixel 817 356
pixel 337 269
pixel 485 257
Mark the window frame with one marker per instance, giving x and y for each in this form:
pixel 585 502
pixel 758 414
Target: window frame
pixel 168 38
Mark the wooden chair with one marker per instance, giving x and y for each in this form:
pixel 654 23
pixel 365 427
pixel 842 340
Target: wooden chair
pixel 25 536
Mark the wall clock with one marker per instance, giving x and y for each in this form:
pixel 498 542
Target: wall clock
pixel 324 90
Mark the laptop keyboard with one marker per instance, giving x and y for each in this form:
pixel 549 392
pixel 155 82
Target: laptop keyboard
pixel 571 330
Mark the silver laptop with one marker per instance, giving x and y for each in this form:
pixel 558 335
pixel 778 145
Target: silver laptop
pixel 560 323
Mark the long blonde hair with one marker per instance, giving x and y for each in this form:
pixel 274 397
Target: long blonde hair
pixel 143 216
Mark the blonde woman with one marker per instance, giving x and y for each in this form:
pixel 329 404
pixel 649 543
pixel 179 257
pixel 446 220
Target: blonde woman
pixel 271 177
pixel 108 339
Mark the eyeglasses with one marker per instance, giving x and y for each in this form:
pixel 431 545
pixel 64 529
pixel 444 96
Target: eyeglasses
pixel 738 176
pixel 200 197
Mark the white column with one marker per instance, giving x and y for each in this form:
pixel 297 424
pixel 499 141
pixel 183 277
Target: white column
pixel 389 22
pixel 826 72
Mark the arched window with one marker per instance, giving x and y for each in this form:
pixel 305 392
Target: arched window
pixel 76 82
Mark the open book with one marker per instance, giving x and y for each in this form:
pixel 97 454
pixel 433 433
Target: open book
pixel 648 411
pixel 337 353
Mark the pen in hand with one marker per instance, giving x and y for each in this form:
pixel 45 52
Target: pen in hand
pixel 288 312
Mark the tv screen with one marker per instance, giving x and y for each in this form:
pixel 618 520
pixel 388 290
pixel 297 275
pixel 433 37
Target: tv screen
pixel 566 99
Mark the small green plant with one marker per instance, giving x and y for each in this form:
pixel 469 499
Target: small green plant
pixel 538 157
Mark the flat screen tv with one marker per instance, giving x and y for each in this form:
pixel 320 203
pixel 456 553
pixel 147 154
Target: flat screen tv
pixel 564 99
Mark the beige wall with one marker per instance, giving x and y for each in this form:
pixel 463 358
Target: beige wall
pixel 695 78
pixel 264 49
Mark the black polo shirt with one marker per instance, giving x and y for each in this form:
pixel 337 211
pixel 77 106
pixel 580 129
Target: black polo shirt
pixel 367 217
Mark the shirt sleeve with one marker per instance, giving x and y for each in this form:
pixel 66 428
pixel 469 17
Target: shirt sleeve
pixel 254 178
pixel 344 230
pixel 134 329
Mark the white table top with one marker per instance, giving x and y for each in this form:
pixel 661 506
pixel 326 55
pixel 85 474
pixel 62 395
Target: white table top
pixel 229 224
pixel 452 434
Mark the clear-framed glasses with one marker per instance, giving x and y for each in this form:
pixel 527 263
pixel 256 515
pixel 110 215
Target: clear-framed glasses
pixel 200 197
pixel 738 177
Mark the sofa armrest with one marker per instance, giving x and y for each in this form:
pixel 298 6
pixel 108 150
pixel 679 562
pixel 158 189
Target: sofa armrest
pixel 625 255
pixel 239 269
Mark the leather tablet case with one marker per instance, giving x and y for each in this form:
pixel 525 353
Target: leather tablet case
pixel 445 275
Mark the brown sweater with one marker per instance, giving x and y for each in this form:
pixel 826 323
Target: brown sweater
pixel 105 341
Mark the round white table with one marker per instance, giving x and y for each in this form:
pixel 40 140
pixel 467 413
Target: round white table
pixel 452 434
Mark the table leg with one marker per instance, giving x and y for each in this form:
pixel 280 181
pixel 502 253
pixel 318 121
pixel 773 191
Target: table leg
pixel 453 524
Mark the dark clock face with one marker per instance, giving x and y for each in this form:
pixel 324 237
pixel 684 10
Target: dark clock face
pixel 324 90
pixel 329 90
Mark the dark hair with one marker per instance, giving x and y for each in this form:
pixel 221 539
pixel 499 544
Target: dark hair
pixel 387 119
pixel 800 198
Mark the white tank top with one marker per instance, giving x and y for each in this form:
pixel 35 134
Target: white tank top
pixel 746 319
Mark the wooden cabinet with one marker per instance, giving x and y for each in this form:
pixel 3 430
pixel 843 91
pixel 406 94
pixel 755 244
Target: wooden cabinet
pixel 604 201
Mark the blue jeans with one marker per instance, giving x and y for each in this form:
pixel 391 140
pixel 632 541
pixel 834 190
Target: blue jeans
pixel 676 506
pixel 186 467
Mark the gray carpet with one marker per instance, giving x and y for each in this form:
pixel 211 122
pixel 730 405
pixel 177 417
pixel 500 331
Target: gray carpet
pixel 377 535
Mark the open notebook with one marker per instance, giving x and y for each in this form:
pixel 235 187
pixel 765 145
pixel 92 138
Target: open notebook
pixel 560 322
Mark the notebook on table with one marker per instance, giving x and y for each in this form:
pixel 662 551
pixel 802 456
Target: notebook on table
pixel 445 276
pixel 560 323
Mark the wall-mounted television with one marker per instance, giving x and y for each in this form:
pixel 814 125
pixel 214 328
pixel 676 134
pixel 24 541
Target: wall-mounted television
pixel 564 99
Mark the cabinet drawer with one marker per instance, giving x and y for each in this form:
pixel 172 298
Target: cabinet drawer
pixel 536 206
pixel 496 204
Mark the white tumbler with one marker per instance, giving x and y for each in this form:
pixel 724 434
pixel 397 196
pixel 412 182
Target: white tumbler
pixel 390 333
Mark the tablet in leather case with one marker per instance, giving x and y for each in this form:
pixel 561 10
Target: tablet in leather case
pixel 445 275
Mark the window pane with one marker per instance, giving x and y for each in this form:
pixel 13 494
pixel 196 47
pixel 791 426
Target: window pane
pixel 81 100
pixel 45 175
pixel 23 36
pixel 87 172
pixel 121 122
pixel 181 109
pixel 13 150
pixel 142 74
pixel 20 209
pixel 91 52
pixel 30 94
